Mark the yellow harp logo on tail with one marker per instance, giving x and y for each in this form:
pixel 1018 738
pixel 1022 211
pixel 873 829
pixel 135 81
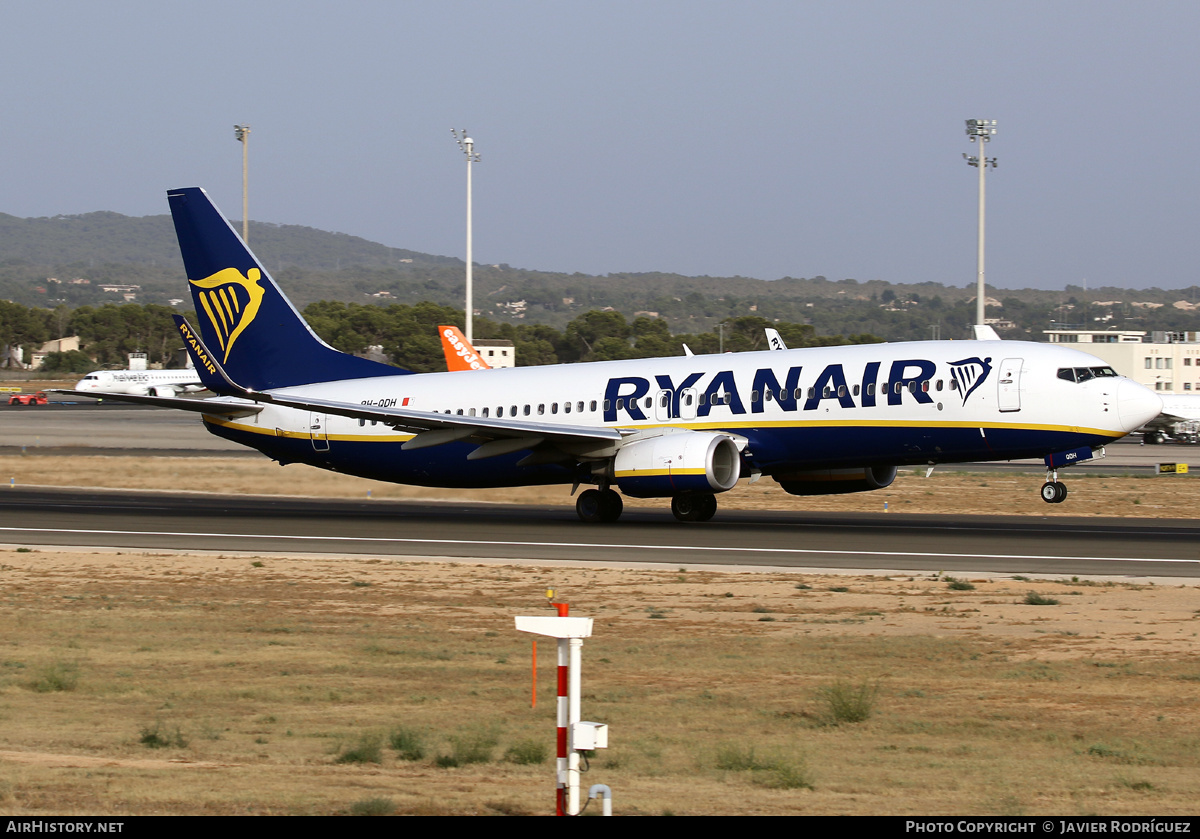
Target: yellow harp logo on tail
pixel 231 301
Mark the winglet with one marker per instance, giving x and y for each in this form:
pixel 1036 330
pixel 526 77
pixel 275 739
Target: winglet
pixel 985 333
pixel 460 355
pixel 774 339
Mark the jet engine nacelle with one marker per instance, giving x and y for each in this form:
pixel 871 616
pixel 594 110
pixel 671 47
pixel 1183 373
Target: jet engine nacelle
pixel 677 461
pixel 836 481
pixel 161 390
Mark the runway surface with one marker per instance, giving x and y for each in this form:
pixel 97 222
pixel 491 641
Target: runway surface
pixel 955 544
pixel 964 544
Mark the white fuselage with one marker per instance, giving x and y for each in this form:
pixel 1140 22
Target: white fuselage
pixel 919 402
pixel 141 382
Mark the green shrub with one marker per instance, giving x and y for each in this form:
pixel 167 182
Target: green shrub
pixel 847 703
pixel 57 677
pixel 527 753
pixel 471 747
pixel 1035 599
pixel 157 737
pixel 373 807
pixel 770 772
pixel 368 749
pixel 407 743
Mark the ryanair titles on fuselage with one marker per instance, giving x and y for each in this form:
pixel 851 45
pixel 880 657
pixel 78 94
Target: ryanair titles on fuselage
pixel 625 393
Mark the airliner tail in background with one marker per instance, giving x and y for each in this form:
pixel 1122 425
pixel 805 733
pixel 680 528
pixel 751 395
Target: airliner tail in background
pixel 460 354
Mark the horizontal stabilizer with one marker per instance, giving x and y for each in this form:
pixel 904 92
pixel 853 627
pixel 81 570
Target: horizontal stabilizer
pixel 230 410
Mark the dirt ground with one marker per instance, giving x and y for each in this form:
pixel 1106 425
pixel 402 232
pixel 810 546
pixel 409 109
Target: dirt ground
pixel 193 683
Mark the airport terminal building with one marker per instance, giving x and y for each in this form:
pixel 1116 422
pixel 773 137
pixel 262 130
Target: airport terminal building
pixel 1166 362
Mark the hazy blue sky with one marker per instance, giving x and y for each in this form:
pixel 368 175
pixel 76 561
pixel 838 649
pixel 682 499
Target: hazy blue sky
pixel 765 139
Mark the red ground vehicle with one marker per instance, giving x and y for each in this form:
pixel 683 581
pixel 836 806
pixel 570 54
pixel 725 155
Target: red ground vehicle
pixel 38 398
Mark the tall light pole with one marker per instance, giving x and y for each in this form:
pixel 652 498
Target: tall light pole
pixel 980 130
pixel 468 148
pixel 242 132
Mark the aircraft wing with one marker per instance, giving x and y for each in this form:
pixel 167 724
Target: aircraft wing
pixel 212 407
pixel 498 436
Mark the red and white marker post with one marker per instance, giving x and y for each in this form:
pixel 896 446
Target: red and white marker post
pixel 573 734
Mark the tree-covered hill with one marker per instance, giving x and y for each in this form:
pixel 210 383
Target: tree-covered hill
pixel 69 261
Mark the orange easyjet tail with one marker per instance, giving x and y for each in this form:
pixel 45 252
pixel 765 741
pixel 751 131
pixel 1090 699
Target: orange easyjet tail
pixel 460 355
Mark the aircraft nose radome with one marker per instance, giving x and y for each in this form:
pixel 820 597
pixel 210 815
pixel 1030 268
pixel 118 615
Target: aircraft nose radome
pixel 1136 405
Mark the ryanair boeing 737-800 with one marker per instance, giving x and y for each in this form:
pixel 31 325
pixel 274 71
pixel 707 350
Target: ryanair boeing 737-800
pixel 817 421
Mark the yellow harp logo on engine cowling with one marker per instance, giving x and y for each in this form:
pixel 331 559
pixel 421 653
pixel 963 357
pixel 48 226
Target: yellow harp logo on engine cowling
pixel 231 301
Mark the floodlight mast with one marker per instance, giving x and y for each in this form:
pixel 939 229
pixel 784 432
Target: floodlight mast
pixel 468 148
pixel 981 131
pixel 242 132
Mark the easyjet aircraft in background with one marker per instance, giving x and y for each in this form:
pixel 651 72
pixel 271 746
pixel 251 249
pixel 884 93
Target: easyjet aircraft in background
pixel 820 420
pixel 460 355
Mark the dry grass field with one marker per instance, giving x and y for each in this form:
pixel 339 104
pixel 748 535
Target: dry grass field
pixel 151 683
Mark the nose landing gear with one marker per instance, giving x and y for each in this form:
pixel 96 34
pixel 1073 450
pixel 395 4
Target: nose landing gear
pixel 1054 491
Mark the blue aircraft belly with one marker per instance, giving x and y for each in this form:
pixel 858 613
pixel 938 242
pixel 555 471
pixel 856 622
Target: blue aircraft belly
pixel 436 466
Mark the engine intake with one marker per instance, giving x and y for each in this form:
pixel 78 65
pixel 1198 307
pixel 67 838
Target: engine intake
pixel 677 461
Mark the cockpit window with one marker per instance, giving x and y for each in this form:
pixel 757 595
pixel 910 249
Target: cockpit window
pixel 1083 374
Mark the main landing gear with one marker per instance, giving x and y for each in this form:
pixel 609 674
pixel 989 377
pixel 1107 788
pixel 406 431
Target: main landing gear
pixel 599 505
pixel 694 506
pixel 1053 491
pixel 605 505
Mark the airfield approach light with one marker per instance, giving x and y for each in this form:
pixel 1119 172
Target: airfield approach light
pixel 981 131
pixel 468 148
pixel 242 133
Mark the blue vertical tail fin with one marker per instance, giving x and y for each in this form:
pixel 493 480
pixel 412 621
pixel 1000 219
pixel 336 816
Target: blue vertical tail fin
pixel 255 331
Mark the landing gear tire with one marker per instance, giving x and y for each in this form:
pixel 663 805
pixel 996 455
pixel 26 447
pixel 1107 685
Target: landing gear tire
pixel 700 507
pixel 597 505
pixel 611 505
pixel 1054 492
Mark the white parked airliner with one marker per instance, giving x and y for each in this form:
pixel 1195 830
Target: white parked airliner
pixel 820 420
pixel 141 382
